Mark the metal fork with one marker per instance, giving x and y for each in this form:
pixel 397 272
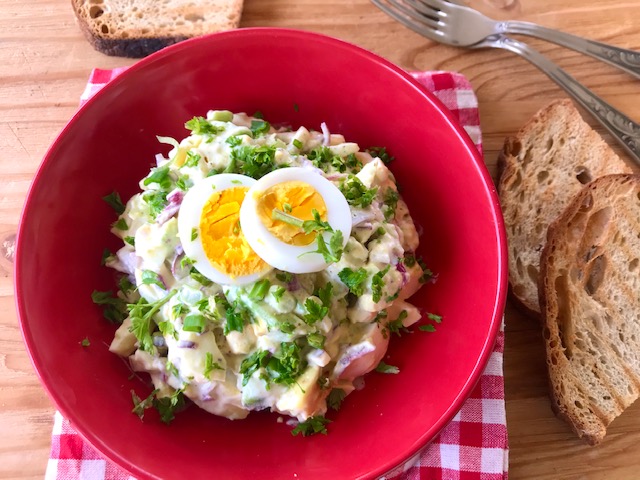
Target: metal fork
pixel 450 23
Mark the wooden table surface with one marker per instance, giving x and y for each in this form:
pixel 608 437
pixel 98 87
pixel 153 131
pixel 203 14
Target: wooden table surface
pixel 44 65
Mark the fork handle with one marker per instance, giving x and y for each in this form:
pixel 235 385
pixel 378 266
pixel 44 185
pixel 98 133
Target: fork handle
pixel 627 60
pixel 625 130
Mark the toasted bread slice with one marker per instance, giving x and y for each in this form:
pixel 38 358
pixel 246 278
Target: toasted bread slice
pixel 590 300
pixel 127 28
pixel 548 161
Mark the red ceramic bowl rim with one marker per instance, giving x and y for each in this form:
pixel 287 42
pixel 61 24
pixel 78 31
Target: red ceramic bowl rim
pixel 302 36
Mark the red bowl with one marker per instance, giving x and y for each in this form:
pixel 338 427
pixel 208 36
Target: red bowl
pixel 298 78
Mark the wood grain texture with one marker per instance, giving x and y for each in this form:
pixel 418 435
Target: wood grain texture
pixel 44 65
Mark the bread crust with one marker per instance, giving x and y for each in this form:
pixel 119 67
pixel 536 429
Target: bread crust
pixel 589 314
pixel 540 169
pixel 137 29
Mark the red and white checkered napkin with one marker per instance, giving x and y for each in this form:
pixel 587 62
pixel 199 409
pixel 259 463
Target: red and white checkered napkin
pixel 473 446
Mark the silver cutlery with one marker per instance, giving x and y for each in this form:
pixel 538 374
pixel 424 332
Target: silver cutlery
pixel 456 25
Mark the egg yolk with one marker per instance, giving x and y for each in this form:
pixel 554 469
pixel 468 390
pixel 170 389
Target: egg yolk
pixel 222 239
pixel 297 199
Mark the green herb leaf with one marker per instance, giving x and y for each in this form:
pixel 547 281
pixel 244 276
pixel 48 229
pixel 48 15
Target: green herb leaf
pixel 198 277
pixel 141 314
pixel 113 199
pixel 139 406
pixel 311 426
pixel 324 294
pixel 377 284
pixel 254 161
pixel 130 240
pixel 259 127
pixel 284 277
pixel 434 317
pixel 115 309
pixel 159 175
pixel 149 277
pixel 121 224
pixel 317 224
pixel 315 311
pixel 192 160
pixel 201 126
pixel 167 329
pixel 391 198
pixel 381 153
pixel 427 328
pixel 354 280
pixel 106 254
pixel 210 365
pixel 316 340
pixel 156 201
pixel 85 342
pixel 356 193
pixel 252 364
pixel 335 398
pixel 168 406
pixel 384 368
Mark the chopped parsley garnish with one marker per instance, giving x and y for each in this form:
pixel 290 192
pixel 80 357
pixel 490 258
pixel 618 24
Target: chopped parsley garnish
pixel 384 368
pixel 198 277
pixel 106 254
pixel 259 127
pixel 283 368
pixel 160 176
pixel 139 405
pixel 377 284
pixel 210 365
pixel 316 340
pixel 130 240
pixel 201 126
pixel 152 278
pixel 427 328
pixel 335 398
pixel 141 314
pixel 125 285
pixel 115 309
pixel 311 426
pixel 324 158
pixel 333 252
pixel 253 161
pixel 324 294
pixel 315 311
pixel 192 160
pixel 167 329
pixel 167 406
pixel 284 277
pixel 85 342
pixel 237 317
pixel 434 317
pixel 409 260
pixel 156 201
pixel 356 193
pixel 381 153
pixel 260 289
pixel 396 326
pixel 194 322
pixel 391 198
pixel 113 199
pixel 354 280
pixel 121 224
pixel 184 183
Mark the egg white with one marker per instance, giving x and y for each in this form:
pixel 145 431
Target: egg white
pixel 281 255
pixel 189 218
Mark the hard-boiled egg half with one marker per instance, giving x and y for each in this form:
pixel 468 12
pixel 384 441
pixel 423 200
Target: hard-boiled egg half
pixel 277 204
pixel 210 233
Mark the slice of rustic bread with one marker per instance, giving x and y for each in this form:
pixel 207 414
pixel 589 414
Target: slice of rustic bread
pixel 138 28
pixel 590 301
pixel 541 169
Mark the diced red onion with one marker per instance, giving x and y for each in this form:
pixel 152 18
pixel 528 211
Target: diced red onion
pixel 186 344
pixel 326 135
pixel 125 261
pixel 175 200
